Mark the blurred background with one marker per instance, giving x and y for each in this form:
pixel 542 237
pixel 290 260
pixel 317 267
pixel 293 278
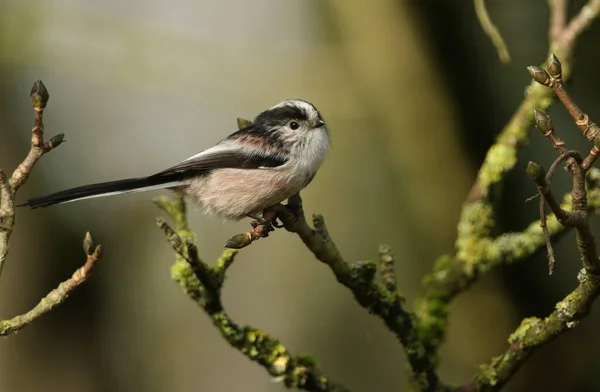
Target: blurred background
pixel 413 93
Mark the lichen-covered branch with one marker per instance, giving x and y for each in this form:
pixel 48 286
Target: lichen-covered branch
pixel 535 332
pixel 203 283
pixel 479 247
pixel 476 245
pixel 8 190
pixel 378 296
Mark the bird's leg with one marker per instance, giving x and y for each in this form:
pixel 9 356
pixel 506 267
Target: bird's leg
pixel 268 221
pixel 260 229
pixel 259 220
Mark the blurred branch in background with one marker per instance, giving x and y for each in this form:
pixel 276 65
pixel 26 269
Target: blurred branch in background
pixel 8 190
pixel 491 30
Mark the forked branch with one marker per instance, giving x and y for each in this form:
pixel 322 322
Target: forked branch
pixel 8 190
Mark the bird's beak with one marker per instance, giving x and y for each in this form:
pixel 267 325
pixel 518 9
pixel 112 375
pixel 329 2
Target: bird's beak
pixel 319 123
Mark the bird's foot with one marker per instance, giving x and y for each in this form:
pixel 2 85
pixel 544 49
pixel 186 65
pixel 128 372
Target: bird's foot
pixel 261 227
pixel 266 223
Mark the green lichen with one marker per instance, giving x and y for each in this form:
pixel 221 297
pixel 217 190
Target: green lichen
pixel 307 361
pixel 432 318
pixel 182 273
pixel 500 158
pixel 474 231
pixel 487 373
pixel 363 272
pixel 443 263
pixel 527 326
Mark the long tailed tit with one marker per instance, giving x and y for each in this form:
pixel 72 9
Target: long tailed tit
pixel 242 175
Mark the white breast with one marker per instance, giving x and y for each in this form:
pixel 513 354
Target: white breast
pixel 234 193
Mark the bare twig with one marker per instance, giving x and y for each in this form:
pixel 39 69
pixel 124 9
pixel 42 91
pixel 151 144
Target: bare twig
pixel 9 186
pixel 39 99
pixel 7 216
pixel 544 124
pixel 592 156
pixel 536 172
pixel 590 129
pixel 558 18
pixel 580 22
pixel 491 31
pixel 8 189
pixel 538 175
pixel 59 294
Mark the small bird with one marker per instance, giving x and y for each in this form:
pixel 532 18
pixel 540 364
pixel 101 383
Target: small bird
pixel 252 169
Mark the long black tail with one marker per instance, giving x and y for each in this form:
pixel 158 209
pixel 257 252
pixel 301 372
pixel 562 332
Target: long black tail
pixel 110 188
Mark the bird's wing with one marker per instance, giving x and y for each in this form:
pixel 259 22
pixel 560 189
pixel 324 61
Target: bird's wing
pixel 219 157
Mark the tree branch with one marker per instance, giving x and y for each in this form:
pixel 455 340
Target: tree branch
pixel 535 332
pixel 558 18
pixel 379 297
pixel 59 294
pixel 8 190
pixel 203 283
pixel 476 247
pixel 491 30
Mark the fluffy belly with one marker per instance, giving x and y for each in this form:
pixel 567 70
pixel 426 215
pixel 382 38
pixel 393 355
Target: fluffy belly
pixel 233 193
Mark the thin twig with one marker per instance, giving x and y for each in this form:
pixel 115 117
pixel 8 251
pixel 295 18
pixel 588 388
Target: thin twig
pixel 538 175
pixel 58 295
pixel 544 124
pixel 491 31
pixel 8 189
pixel 558 18
pixel 542 180
pixel 7 216
pixel 9 186
pixel 578 24
pixel 39 99
pixel 589 128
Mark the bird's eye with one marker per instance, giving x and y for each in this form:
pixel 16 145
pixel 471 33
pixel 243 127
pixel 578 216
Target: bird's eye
pixel 294 125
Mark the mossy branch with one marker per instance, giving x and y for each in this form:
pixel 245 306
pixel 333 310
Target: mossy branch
pixel 378 296
pixel 203 283
pixel 535 332
pixel 8 190
pixel 478 249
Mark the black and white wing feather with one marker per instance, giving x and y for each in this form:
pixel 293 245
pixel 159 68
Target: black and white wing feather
pixel 223 155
